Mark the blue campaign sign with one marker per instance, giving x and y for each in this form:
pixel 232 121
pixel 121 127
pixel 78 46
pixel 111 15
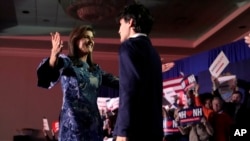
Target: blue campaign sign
pixel 170 126
pixel 190 115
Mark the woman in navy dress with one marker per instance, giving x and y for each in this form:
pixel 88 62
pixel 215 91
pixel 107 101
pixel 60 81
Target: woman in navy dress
pixel 80 78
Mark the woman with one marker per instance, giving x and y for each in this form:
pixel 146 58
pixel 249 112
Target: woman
pixel 201 131
pixel 80 119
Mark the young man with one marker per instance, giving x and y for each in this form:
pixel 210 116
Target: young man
pixel 140 72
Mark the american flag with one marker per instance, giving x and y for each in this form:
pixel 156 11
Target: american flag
pixel 174 84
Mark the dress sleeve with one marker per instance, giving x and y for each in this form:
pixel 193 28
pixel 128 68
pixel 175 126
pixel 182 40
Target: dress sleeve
pixel 47 76
pixel 110 80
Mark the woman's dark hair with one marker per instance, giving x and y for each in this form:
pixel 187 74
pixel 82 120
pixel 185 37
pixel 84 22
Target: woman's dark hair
pixel 205 96
pixel 143 21
pixel 76 34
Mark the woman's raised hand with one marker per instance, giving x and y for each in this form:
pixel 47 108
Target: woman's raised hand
pixel 57 44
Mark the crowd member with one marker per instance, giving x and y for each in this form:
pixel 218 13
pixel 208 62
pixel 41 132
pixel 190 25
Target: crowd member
pixel 200 131
pixel 221 121
pixel 140 75
pixel 109 123
pixel 206 102
pixel 169 115
pixel 195 130
pixel 236 106
pixel 80 79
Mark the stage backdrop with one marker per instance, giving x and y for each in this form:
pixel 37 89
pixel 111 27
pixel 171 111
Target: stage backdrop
pixel 238 54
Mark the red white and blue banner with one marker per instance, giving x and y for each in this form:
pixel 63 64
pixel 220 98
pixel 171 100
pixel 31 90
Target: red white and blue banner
pixel 173 91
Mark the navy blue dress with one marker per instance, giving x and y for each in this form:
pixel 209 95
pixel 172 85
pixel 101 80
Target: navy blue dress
pixel 79 118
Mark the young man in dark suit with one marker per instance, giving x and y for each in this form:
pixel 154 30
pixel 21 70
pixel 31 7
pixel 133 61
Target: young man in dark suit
pixel 140 106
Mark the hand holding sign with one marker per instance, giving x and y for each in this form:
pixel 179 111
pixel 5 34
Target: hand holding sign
pixel 55 126
pixel 113 104
pixel 45 124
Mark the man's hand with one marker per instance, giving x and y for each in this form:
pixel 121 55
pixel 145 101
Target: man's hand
pixel 247 39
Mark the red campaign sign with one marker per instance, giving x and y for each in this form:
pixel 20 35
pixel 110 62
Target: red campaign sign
pixel 55 126
pixel 190 115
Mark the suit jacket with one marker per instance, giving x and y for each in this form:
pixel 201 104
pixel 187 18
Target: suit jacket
pixel 140 106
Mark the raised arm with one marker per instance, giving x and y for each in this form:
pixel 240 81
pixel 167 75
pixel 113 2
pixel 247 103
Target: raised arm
pixel 197 101
pixel 48 70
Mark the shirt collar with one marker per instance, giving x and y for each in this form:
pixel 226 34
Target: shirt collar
pixel 137 34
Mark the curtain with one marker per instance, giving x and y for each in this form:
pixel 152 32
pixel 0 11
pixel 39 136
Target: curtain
pixel 236 51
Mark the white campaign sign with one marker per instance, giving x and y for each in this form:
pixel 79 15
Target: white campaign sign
pixel 45 124
pixel 113 104
pixel 218 65
pixel 168 94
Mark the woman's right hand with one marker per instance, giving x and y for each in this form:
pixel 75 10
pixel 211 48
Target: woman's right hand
pixel 57 44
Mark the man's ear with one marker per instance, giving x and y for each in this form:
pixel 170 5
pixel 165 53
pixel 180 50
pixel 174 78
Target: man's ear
pixel 131 22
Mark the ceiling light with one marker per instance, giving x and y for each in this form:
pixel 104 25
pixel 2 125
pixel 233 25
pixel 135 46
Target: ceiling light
pixel 92 10
pixel 25 12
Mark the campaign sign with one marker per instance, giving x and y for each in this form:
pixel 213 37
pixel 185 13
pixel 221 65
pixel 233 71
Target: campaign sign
pixel 169 95
pixel 102 103
pixel 170 127
pixel 188 82
pixel 218 65
pixel 113 103
pixel 190 115
pixel 173 91
pixel 226 86
pixel 45 124
pixel 55 126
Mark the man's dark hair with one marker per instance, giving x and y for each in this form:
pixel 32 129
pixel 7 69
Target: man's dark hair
pixel 142 19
